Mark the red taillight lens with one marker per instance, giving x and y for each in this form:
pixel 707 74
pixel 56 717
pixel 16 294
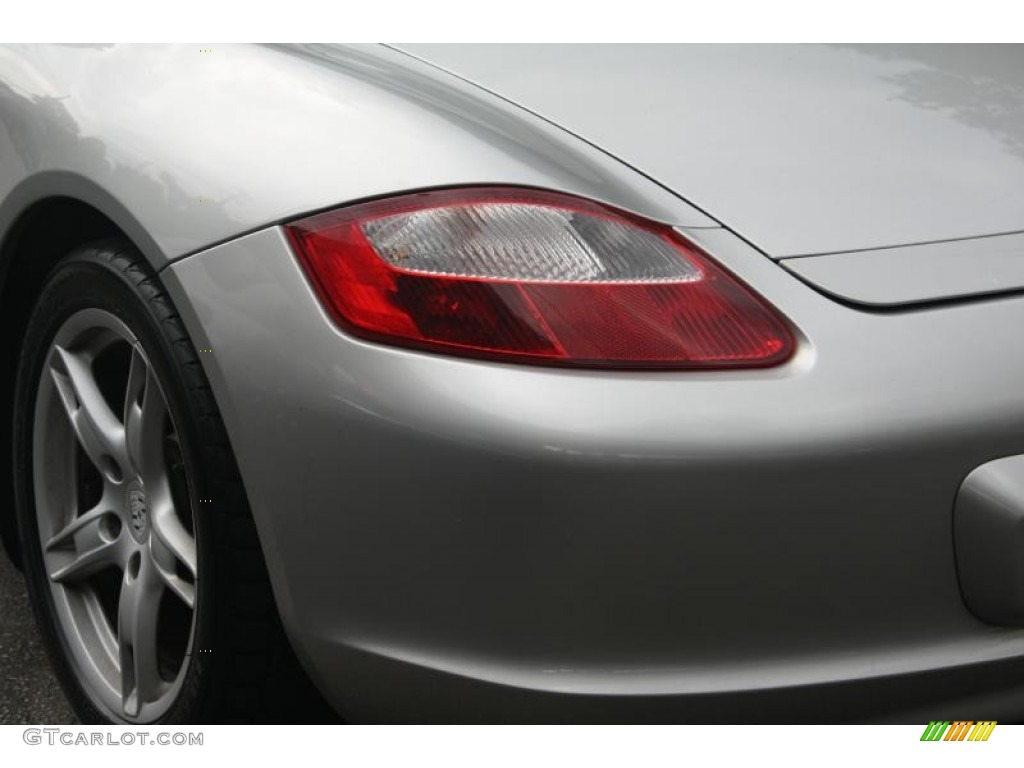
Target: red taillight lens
pixel 533 276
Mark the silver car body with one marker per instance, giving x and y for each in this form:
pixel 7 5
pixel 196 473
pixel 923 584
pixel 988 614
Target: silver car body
pixel 460 539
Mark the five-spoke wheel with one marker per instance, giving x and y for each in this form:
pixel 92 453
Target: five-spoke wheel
pixel 114 515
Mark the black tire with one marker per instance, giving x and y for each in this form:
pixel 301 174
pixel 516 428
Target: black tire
pixel 242 668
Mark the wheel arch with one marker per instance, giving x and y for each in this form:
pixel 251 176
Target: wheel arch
pixel 41 221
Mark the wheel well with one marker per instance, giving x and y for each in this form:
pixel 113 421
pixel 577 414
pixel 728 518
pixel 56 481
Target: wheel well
pixel 39 238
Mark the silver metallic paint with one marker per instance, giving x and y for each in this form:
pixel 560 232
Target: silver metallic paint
pixel 184 149
pixel 802 149
pixel 989 536
pixel 913 274
pixel 581 532
pixel 450 527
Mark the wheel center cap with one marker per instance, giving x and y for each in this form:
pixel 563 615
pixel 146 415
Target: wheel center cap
pixel 138 514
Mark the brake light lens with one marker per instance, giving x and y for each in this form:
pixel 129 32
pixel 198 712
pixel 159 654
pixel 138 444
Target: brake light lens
pixel 533 277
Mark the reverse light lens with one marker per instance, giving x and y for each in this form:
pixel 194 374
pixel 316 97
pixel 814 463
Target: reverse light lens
pixel 532 276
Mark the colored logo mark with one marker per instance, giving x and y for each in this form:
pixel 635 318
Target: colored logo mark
pixel 961 730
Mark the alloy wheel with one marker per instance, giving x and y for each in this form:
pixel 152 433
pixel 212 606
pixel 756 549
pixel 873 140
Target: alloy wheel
pixel 115 517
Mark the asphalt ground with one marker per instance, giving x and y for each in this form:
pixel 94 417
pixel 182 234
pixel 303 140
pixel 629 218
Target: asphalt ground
pixel 29 692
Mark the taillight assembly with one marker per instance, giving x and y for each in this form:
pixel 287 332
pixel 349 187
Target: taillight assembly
pixel 533 277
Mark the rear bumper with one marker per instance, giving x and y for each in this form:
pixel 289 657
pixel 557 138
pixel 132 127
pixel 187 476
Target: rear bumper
pixel 370 687
pixel 464 540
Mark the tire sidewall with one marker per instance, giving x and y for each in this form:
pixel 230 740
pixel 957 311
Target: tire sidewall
pixel 85 280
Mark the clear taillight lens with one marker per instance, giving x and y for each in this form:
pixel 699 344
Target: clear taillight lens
pixel 533 276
